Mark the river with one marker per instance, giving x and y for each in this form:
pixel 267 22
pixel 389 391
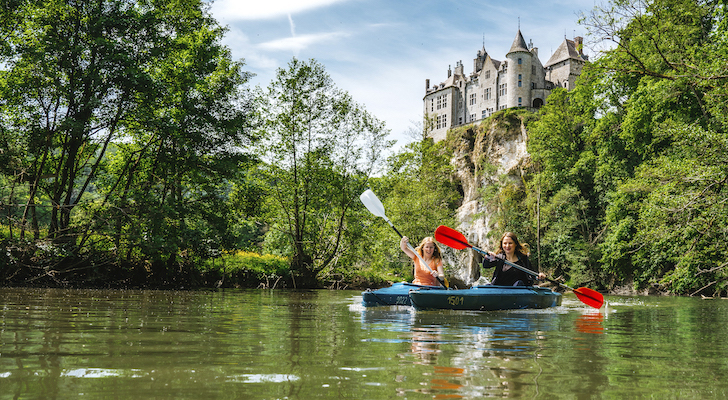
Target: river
pixel 280 344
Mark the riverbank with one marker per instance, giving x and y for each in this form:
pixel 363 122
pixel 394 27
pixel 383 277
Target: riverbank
pixel 248 270
pixel 31 267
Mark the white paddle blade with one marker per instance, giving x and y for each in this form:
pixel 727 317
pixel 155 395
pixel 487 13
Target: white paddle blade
pixel 372 203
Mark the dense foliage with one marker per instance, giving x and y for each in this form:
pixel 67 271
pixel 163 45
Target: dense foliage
pixel 122 122
pixel 133 153
pixel 630 166
pixel 418 194
pixel 319 148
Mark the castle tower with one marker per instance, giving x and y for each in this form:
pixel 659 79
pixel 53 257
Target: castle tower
pixel 565 65
pixel 518 79
pixel 521 80
pixel 479 60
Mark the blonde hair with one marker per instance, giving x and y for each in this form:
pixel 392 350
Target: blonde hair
pixel 436 254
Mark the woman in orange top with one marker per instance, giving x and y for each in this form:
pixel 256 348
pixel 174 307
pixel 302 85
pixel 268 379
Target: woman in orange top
pixel 430 252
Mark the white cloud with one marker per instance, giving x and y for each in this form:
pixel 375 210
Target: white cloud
pixel 297 43
pixel 233 10
pixel 292 24
pixel 399 101
pixel 381 51
pixel 241 47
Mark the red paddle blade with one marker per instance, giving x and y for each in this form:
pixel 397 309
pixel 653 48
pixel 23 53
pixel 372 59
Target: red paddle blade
pixel 589 297
pixel 450 237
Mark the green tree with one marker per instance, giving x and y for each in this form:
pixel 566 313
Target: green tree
pixel 420 189
pixel 320 148
pixel 563 186
pixel 667 77
pixel 168 185
pixel 419 193
pixel 126 119
pixel 72 69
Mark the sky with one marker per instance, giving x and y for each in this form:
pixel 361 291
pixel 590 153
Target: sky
pixel 382 51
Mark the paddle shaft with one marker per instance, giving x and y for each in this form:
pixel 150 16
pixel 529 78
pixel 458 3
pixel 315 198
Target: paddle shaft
pixel 456 240
pixel 464 242
pixel 586 295
pixel 375 206
pixel 412 249
pixel 526 270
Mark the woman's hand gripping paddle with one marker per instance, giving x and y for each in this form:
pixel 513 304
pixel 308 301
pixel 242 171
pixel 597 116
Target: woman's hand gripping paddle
pixel 452 238
pixel 372 203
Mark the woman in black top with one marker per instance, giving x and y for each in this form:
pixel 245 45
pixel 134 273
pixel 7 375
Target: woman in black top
pixel 512 250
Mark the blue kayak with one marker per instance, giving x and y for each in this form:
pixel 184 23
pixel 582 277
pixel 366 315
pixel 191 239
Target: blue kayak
pixel 485 298
pixel 395 295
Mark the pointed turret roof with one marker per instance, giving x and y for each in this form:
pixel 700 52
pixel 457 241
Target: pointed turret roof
pixel 518 44
pixel 566 50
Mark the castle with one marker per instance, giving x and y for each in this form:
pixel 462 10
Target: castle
pixel 519 81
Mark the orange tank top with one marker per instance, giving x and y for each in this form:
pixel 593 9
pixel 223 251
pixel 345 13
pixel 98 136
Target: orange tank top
pixel 423 275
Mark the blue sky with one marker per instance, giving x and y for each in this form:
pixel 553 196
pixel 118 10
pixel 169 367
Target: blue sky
pixel 381 51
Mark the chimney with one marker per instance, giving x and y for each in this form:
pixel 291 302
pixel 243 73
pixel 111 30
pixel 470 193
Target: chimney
pixel 449 71
pixel 579 43
pixel 459 70
pixel 427 84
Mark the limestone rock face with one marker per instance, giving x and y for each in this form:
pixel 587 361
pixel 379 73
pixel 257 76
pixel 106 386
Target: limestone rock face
pixel 481 155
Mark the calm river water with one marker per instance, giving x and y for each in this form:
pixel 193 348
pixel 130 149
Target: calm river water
pixel 263 344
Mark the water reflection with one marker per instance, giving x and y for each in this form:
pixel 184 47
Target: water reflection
pixel 447 382
pixel 590 323
pixel 460 346
pixel 425 344
pixel 264 344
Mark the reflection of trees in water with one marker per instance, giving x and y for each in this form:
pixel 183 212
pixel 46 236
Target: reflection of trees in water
pixel 493 354
pixel 463 354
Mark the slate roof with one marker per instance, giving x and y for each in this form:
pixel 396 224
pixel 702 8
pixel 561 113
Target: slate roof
pixel 518 44
pixel 566 50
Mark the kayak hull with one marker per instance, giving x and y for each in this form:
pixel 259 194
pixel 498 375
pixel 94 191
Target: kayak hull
pixel 485 298
pixel 395 295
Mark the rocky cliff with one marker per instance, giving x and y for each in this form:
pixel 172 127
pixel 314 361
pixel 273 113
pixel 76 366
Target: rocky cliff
pixel 484 154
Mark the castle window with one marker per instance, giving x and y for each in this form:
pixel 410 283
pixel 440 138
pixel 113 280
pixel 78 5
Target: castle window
pixel 484 114
pixel 473 98
pixel 519 80
pixel 488 93
pixel 441 102
pixel 520 61
pixel 487 74
pixel 441 121
pixel 502 90
pixel 472 117
pixel 520 102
